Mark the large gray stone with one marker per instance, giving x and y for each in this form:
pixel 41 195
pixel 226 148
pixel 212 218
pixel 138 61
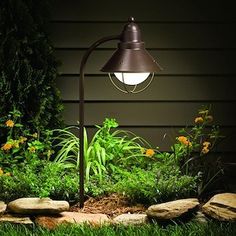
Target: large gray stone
pixel 173 209
pixel 221 207
pixel 133 219
pixel 52 222
pixel 3 207
pixel 35 206
pixel 16 219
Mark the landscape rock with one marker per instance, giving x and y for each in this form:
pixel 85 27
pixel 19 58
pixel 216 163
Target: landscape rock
pixel 36 206
pixel 133 219
pixel 221 207
pixel 173 209
pixel 51 222
pixel 16 219
pixel 3 207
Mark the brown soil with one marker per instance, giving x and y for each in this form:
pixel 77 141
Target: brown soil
pixel 112 206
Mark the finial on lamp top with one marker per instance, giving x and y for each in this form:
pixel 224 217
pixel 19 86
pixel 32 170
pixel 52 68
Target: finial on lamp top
pixel 131 19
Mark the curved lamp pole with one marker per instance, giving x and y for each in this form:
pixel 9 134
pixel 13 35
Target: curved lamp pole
pixel 130 63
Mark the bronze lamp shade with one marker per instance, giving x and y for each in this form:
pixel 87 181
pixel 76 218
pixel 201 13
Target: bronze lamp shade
pixel 131 55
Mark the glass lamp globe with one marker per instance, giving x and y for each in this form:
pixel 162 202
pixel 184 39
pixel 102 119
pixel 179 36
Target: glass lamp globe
pixel 131 78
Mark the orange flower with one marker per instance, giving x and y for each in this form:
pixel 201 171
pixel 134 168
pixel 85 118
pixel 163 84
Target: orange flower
pixel 184 140
pixel 150 152
pixel 1 171
pixel 7 146
pixel 198 120
pixel 10 123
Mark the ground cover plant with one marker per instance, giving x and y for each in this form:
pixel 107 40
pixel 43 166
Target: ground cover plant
pixel 191 228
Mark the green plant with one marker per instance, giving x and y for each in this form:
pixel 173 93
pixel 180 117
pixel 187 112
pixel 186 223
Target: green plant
pixel 96 187
pixel 162 182
pixel 28 68
pixel 19 144
pixel 105 150
pixel 122 147
pixel 191 228
pixel 193 148
pixel 68 155
pixel 39 178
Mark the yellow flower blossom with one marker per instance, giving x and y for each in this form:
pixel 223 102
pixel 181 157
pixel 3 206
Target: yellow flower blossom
pixel 184 140
pixel 150 152
pixel 10 123
pixel 15 143
pixel 22 139
pixel 32 149
pixel 198 120
pixel 35 135
pixel 206 144
pixel 2 172
pixel 205 150
pixel 6 147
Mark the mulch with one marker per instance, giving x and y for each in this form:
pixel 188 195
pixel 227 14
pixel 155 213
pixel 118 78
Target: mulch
pixel 112 205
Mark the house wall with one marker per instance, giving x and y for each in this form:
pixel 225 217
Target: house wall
pixel 194 41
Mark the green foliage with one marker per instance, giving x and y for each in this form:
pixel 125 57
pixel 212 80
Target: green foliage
pixel 19 144
pixel 163 182
pixel 39 178
pixel 25 169
pixel 191 228
pixel 122 147
pixel 115 161
pixel 192 150
pixel 200 139
pixel 172 183
pixel 28 67
pixel 138 184
pixel 106 149
pixel 96 187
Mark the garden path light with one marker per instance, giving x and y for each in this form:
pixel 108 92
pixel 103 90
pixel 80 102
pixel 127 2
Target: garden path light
pixel 131 65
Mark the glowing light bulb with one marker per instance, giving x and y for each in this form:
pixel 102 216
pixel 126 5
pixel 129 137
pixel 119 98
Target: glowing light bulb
pixel 132 78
